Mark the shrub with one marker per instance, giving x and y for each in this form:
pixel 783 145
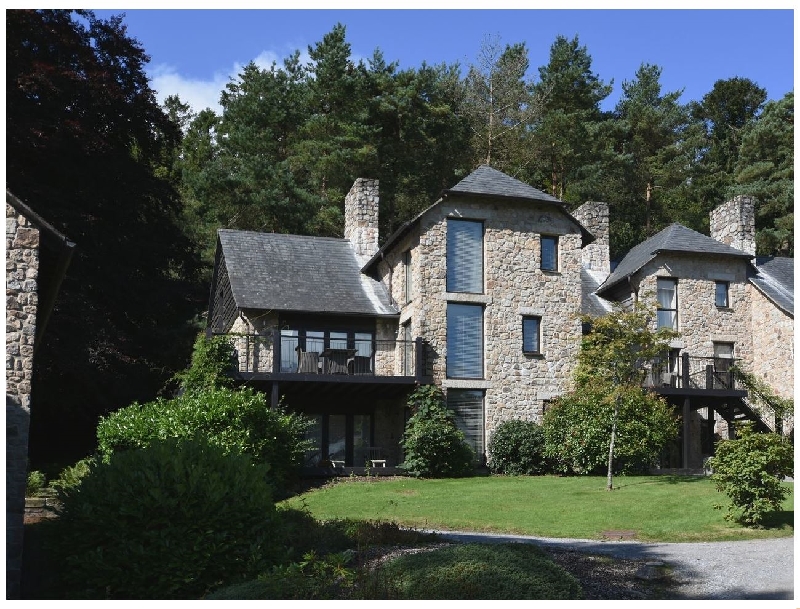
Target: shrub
pixel 35 483
pixel 479 571
pixel 213 360
pixel 516 448
pixel 577 430
pixel 173 520
pixel 71 476
pixel 236 420
pixel 434 446
pixel 749 470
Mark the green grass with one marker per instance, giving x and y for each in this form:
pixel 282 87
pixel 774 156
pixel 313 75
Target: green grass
pixel 657 508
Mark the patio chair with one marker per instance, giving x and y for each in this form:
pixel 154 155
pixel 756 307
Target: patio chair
pixel 308 362
pixel 375 457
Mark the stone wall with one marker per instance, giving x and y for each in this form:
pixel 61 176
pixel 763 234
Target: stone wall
pixel 773 344
pixel 22 268
pixel 361 218
pixel 733 223
pixel 516 385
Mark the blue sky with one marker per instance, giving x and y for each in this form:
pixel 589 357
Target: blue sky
pixel 195 52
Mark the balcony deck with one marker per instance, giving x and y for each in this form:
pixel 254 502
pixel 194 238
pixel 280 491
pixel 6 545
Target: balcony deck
pixel 706 377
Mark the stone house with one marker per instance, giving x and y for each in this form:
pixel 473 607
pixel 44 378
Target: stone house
pixel 37 257
pixel 479 294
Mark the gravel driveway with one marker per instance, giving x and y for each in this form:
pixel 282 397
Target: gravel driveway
pixel 746 570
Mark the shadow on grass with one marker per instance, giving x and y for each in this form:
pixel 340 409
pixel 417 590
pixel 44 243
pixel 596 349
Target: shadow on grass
pixel 660 479
pixel 779 520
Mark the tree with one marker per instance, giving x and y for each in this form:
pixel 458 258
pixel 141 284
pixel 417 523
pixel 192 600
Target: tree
pixel 499 104
pixel 765 170
pixel 563 137
pixel 609 408
pixel 85 141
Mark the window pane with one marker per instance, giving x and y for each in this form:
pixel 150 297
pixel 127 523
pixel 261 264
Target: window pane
pixel 363 344
pixel 722 294
pixel 464 341
pixel 667 319
pixel 338 340
pixel 407 270
pixel 467 407
pixel 530 334
pixel 337 437
pixel 464 256
pixel 549 253
pixel 666 294
pixel 289 342
pixel 314 433
pixel 361 440
pixel 315 341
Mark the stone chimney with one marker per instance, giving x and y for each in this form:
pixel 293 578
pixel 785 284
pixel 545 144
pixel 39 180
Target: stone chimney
pixel 361 218
pixel 733 223
pixel 593 215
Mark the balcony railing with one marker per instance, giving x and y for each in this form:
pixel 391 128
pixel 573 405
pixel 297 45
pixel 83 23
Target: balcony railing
pixel 688 372
pixel 274 353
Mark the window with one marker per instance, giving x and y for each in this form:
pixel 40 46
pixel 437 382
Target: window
pixel 464 341
pixel 549 253
pixel 467 408
pixel 407 273
pixel 465 256
pixel 721 294
pixel 667 312
pixel 723 356
pixel 408 350
pixel 530 334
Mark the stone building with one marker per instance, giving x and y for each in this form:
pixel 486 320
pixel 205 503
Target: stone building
pixel 36 259
pixel 480 294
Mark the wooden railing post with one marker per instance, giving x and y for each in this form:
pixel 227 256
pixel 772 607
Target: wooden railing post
pixel 685 370
pixel 276 351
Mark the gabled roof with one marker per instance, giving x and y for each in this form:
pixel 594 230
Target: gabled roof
pixel 591 303
pixel 484 182
pixel 674 238
pixel 271 271
pixel 774 277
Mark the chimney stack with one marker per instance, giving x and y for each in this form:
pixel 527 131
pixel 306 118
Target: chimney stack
pixel 593 215
pixel 361 218
pixel 733 223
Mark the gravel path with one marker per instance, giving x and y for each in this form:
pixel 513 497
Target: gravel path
pixel 746 570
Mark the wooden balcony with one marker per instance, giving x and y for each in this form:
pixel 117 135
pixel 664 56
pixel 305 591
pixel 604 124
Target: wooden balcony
pixel 694 376
pixel 277 356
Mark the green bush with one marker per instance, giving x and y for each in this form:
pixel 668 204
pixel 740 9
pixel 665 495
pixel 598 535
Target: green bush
pixel 213 360
pixel 480 571
pixel 236 420
pixel 749 470
pixel 577 430
pixel 516 448
pixel 35 483
pixel 71 476
pixel 173 520
pixel 434 446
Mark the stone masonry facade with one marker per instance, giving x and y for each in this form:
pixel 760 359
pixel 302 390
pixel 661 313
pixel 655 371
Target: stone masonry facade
pixel 733 223
pixel 515 385
pixel 22 269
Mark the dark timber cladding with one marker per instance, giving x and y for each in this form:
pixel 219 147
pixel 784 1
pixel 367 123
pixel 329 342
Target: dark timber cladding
pixel 270 271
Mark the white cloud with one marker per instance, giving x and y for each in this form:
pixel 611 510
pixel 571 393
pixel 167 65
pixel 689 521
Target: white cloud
pixel 201 94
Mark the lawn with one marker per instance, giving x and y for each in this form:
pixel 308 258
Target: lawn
pixel 657 508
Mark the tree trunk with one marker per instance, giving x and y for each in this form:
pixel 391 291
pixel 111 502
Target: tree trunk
pixel 609 480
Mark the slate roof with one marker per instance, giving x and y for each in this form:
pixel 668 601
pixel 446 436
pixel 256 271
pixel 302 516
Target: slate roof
pixel 487 181
pixel 483 182
pixel 674 238
pixel 297 273
pixel 591 303
pixel 774 277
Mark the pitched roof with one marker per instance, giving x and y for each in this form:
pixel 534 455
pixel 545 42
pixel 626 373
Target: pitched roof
pixel 483 182
pixel 591 303
pixel 674 238
pixel 296 273
pixel 487 181
pixel 774 277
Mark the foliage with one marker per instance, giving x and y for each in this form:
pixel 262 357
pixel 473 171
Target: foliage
pixel 238 421
pixel 577 429
pixel 434 447
pixel 173 520
pixel 35 483
pixel 749 470
pixel 211 366
pixel 481 571
pixel 516 448
pixel 71 476
pixel 760 392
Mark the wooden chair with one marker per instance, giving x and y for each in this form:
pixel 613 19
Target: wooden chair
pixel 375 457
pixel 308 362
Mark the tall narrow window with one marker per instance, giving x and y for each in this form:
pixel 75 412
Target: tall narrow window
pixel 407 273
pixel 530 335
pixel 467 408
pixel 465 256
pixel 464 341
pixel 723 356
pixel 408 350
pixel 549 253
pixel 721 294
pixel 667 312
